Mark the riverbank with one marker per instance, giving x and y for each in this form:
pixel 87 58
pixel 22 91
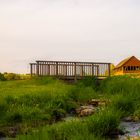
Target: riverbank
pixel 28 105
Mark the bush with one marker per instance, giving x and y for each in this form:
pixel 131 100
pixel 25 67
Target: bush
pixel 104 122
pixel 13 76
pixel 124 104
pixel 15 117
pixel 2 78
pixel 58 113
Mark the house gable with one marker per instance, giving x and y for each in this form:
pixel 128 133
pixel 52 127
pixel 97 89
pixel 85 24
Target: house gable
pixel 130 61
pixel 133 61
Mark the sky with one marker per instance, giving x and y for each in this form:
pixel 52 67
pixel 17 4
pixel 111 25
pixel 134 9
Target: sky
pixel 70 30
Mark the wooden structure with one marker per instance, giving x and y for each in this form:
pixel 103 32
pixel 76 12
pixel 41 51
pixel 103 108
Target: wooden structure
pixel 70 70
pixel 129 65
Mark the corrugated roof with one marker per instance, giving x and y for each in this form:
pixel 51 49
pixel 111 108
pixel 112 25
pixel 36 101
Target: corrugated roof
pixel 123 62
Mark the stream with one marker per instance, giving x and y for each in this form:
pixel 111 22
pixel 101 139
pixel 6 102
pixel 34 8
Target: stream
pixel 131 130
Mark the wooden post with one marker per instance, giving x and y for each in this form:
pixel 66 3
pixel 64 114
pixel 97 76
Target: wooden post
pixel 97 70
pixel 41 67
pixel 92 70
pixel 56 68
pixel 37 69
pixel 31 69
pixel 75 78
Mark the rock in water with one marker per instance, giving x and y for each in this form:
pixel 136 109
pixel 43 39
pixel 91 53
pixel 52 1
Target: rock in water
pixel 86 112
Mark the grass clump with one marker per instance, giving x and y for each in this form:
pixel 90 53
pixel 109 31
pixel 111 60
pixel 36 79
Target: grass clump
pixel 124 104
pixel 104 122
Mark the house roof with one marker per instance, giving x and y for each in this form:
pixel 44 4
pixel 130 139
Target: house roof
pixel 123 62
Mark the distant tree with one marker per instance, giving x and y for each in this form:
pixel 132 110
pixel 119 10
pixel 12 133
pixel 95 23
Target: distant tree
pixel 10 76
pixel 2 78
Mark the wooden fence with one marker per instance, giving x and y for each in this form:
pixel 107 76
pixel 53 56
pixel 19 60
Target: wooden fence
pixel 70 70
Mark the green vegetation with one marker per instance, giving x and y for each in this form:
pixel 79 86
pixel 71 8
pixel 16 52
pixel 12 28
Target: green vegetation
pixel 32 105
pixel 12 76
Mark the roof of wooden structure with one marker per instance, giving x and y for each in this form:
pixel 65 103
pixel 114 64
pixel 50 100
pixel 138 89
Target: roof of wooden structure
pixel 123 62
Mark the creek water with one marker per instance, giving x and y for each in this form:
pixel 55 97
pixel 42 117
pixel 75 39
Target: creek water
pixel 131 130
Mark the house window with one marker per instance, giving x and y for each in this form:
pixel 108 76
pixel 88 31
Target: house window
pixel 129 68
pixel 137 68
pixel 126 68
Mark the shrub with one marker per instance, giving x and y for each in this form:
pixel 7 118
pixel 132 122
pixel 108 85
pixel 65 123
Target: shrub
pixel 58 113
pixel 2 78
pixel 124 104
pixel 9 76
pixel 71 106
pixel 104 122
pixel 15 117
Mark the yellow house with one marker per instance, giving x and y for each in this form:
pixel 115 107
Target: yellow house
pixel 129 65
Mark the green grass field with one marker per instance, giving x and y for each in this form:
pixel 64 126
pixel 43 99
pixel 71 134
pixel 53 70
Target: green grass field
pixel 34 106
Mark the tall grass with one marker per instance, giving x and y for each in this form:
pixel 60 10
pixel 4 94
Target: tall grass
pixel 46 100
pixel 100 124
pixel 124 92
pixel 39 99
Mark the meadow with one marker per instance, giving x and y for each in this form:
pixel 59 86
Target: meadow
pixel 34 108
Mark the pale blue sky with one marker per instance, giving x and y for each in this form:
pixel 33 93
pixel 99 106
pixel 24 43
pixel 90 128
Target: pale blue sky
pixel 77 30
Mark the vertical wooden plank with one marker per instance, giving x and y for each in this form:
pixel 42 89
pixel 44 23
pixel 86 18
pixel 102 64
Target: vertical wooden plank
pixel 42 68
pixel 34 69
pixel 92 70
pixel 37 69
pixel 66 69
pixel 45 69
pixel 75 77
pixel 49 69
pixel 83 67
pixel 56 68
pixel 81 73
pixel 31 69
pixel 97 70
pixel 61 69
